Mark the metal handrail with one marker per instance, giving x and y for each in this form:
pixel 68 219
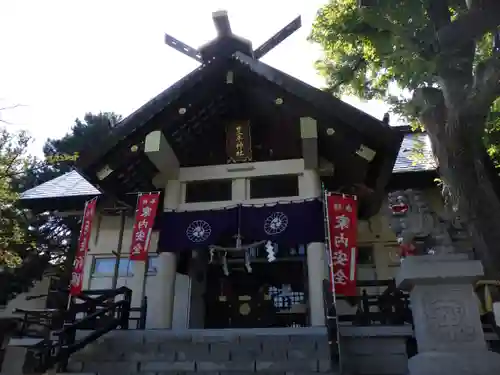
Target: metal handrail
pixel 57 353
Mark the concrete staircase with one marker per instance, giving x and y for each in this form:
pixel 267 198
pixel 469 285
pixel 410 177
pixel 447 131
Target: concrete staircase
pixel 285 351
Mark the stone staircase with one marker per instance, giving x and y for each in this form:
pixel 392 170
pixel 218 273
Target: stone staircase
pixel 285 351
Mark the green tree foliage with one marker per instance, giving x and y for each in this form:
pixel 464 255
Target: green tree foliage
pixel 13 163
pixel 492 136
pixel 434 62
pixel 84 134
pixel 43 239
pixel 19 251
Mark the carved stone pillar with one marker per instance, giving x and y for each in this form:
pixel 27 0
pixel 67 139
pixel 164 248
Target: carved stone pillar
pixel 446 317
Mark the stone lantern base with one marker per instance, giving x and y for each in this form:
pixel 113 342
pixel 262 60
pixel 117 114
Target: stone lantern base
pixel 446 316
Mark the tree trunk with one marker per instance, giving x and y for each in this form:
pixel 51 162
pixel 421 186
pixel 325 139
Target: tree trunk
pixel 460 151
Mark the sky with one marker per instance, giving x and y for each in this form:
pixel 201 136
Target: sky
pixel 62 58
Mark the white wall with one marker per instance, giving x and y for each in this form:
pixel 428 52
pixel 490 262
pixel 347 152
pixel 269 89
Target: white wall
pixel 104 240
pixel 240 175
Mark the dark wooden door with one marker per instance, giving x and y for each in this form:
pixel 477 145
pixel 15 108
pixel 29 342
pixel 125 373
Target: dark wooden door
pixel 252 300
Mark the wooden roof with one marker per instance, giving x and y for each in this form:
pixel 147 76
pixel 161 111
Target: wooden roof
pixel 196 91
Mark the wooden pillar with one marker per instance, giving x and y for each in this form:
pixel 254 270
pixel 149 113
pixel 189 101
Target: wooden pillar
pixel 309 135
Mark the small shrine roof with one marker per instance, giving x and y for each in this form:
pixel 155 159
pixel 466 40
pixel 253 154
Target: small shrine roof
pixel 415 154
pixel 71 184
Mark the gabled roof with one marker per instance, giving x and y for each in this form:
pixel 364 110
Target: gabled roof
pixel 206 97
pixel 71 184
pixel 378 133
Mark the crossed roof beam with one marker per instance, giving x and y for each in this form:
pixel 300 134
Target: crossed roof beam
pixel 223 27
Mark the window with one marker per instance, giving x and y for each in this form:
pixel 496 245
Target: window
pixel 274 187
pixel 103 271
pixel 365 256
pixel 105 267
pixel 208 191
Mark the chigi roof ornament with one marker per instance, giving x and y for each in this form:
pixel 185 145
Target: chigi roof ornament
pixel 226 43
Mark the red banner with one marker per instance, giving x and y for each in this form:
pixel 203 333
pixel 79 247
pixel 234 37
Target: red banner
pixel 83 246
pixel 342 228
pixel 147 205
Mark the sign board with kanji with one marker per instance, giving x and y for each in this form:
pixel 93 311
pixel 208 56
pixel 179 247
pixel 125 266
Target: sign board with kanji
pixel 238 142
pixel 147 205
pixel 76 285
pixel 342 232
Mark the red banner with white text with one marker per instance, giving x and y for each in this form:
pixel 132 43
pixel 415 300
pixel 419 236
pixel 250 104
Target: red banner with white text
pixel 342 232
pixel 83 246
pixel 147 204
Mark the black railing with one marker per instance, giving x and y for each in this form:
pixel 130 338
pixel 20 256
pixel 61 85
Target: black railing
pixel 91 301
pixel 142 311
pixel 389 307
pixel 98 311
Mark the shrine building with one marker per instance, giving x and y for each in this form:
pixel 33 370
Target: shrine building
pixel 233 146
pixel 239 158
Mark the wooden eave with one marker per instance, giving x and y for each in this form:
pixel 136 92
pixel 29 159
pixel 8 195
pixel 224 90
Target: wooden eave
pixel 61 204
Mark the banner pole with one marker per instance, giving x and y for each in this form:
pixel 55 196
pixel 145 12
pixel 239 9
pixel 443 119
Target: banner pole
pixel 328 252
pixel 144 279
pixel 146 261
pixel 117 253
pixel 76 256
pixel 147 245
pixel 70 297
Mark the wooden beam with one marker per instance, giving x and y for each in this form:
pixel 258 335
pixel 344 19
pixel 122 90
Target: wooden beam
pixel 161 154
pixel 222 25
pixel 309 135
